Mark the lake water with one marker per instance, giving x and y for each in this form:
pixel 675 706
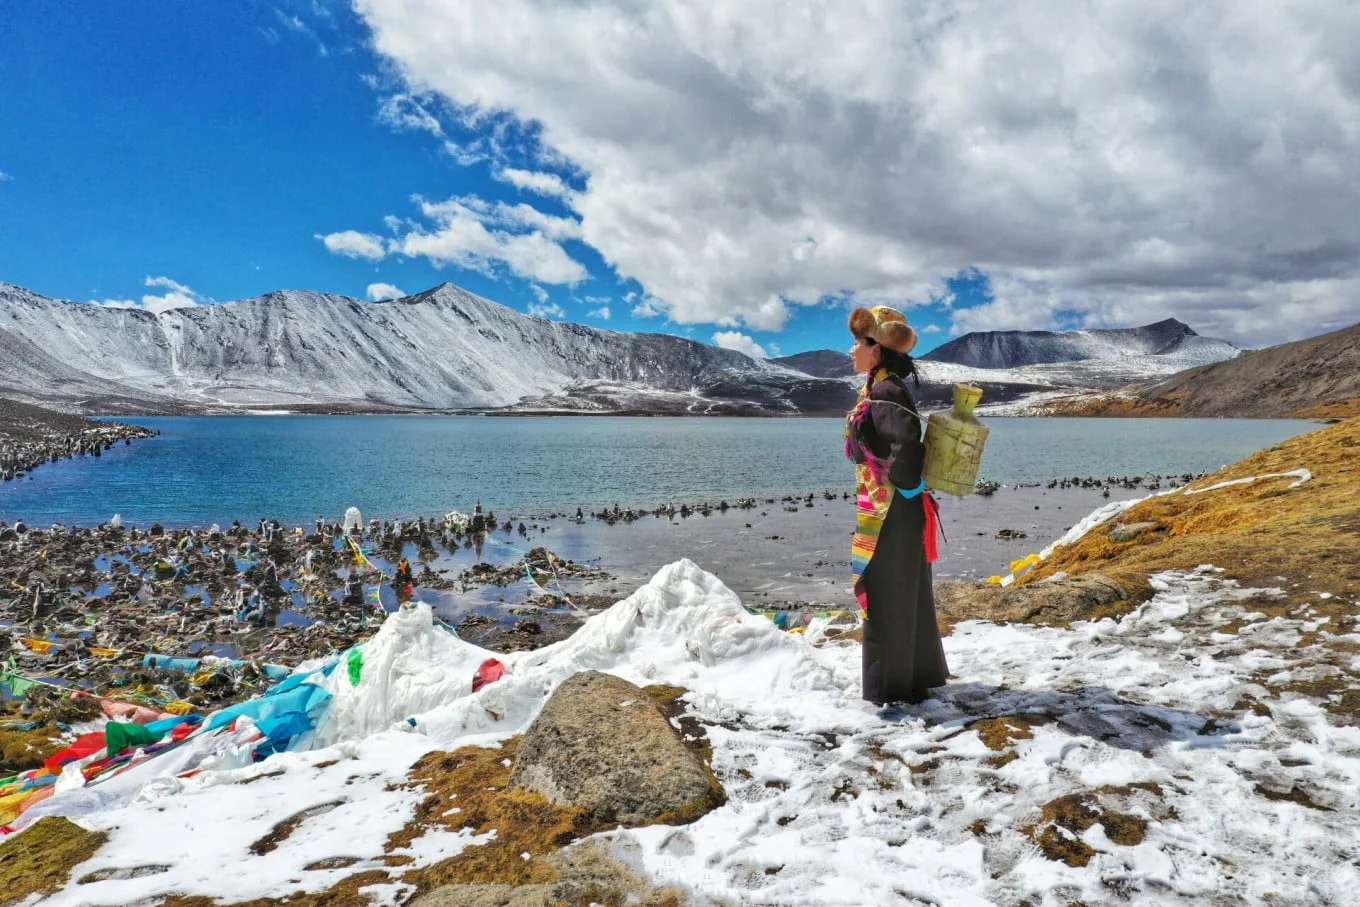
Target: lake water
pixel 205 469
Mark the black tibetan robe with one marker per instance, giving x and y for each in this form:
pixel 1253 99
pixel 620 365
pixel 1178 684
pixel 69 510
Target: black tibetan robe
pixel 903 656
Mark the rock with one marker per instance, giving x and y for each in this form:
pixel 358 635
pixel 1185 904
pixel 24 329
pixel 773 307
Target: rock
pixel 1058 601
pixel 602 744
pixel 1007 534
pixel 1122 532
pixel 587 873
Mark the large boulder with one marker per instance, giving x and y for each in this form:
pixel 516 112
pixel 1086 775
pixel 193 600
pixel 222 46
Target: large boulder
pixel 1057 601
pixel 603 744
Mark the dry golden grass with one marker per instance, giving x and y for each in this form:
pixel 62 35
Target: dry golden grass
pixel 473 780
pixel 1258 532
pixel 1173 405
pixel 1345 409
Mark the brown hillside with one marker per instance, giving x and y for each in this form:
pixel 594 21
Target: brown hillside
pixel 1314 378
pixel 1304 539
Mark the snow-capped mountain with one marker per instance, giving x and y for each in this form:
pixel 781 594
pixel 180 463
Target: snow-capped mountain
pixel 1019 367
pixel 441 349
pixel 1169 341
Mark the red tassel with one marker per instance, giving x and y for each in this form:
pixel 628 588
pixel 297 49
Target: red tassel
pixel 933 530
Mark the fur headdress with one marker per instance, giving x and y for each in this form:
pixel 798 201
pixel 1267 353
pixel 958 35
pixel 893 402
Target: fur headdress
pixel 885 326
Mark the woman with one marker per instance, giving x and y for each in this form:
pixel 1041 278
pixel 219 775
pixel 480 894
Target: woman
pixel 895 534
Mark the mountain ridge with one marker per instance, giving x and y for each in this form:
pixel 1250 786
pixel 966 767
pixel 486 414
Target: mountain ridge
pixel 1013 349
pixel 1318 377
pixel 441 349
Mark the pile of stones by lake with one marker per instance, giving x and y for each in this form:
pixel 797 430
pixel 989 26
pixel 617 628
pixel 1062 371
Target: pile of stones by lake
pixel 206 617
pixel 31 436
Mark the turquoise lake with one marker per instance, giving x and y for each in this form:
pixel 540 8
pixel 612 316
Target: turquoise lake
pixel 205 469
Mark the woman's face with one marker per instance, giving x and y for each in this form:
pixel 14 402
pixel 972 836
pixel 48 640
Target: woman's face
pixel 864 355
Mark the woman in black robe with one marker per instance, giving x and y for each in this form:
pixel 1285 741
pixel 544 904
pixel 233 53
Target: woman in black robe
pixel 896 524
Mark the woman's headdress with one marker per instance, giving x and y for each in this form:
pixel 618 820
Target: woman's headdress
pixel 883 325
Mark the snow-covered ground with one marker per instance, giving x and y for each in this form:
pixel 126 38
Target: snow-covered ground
pixel 832 801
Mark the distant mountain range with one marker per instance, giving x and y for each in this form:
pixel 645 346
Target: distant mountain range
pixel 447 349
pixel 444 349
pixel 1171 341
pixel 1017 367
pixel 1314 378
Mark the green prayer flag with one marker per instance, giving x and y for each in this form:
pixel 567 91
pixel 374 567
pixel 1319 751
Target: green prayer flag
pixel 18 686
pixel 119 735
pixel 355 663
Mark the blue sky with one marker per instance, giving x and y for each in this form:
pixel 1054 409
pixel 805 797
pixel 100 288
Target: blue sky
pixel 212 143
pixel 694 168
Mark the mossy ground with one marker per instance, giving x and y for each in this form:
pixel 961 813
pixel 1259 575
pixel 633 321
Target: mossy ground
pixel 40 860
pixel 30 729
pixel 1063 820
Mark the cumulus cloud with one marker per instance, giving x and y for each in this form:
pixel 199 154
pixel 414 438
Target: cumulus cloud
pixel 742 343
pixel 601 312
pixel 1124 160
pixel 379 291
pixel 470 232
pixel 353 244
pixel 178 297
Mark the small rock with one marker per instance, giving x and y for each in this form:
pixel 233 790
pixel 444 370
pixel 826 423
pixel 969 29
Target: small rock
pixel 1127 532
pixel 1008 534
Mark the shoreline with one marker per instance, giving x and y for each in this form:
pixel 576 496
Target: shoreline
pixel 31 436
pixel 1089 405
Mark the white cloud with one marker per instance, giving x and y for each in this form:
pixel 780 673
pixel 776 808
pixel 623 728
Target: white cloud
pixel 601 312
pixel 378 291
pixel 1124 160
pixel 469 232
pixel 353 244
pixel 931 329
pixel 5 177
pixel 533 181
pixel 742 343
pixel 179 297
pixel 169 284
pixel 552 310
pixel 404 111
pixel 296 25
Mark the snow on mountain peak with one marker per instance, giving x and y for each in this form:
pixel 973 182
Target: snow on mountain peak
pixel 444 348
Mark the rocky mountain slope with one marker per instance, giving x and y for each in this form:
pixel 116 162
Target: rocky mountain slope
pixel 1170 340
pixel 820 363
pixel 1313 378
pixel 441 349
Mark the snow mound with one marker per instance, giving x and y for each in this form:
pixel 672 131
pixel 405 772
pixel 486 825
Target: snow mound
pixel 684 627
pixel 411 665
